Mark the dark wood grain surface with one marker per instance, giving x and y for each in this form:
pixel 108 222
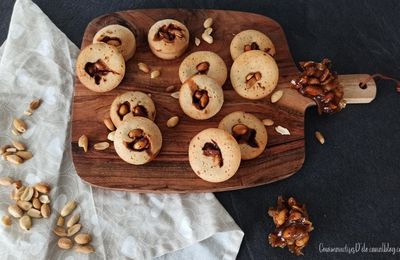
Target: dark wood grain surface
pixel 170 171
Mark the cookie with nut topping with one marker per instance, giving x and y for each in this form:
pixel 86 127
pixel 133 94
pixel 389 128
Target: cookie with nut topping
pixel 138 140
pixel 203 63
pixel 168 39
pixel 254 74
pixel 251 40
pixel 100 67
pixel 118 36
pixel 249 132
pixel 132 104
pixel 201 97
pixel 214 155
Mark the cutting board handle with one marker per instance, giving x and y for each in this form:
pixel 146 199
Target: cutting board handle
pixel 353 94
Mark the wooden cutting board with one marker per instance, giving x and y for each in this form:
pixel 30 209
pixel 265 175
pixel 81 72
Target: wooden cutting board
pixel 171 172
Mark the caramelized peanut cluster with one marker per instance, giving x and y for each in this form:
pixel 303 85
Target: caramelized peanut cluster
pixel 318 82
pixel 292 225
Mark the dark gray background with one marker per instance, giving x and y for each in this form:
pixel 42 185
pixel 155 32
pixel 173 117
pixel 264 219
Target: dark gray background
pixel 351 183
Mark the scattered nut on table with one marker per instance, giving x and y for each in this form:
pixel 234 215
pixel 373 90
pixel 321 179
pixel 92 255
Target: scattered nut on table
pixel 292 223
pixel 68 231
pixel 27 204
pixel 319 137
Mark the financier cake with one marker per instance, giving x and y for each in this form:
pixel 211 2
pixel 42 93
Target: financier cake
pixel 132 104
pixel 214 155
pixel 120 37
pixel 248 131
pixel 254 74
pixel 201 97
pixel 251 40
pixel 204 63
pixel 168 39
pixel 138 140
pixel 100 67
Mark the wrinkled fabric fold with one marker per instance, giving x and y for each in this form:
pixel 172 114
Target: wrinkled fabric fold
pixel 37 61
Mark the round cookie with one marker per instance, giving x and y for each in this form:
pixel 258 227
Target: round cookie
pixel 100 67
pixel 132 104
pixel 201 97
pixel 205 63
pixel 168 39
pixel 120 37
pixel 254 74
pixel 214 155
pixel 138 140
pixel 248 131
pixel 251 40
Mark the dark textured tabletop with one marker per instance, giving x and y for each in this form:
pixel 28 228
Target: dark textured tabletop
pixel 351 184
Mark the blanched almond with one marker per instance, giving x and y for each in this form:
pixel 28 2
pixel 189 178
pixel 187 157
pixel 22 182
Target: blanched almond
pixel 197 41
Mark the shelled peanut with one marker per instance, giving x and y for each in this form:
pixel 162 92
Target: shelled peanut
pixel 30 202
pixel 15 153
pixel 68 231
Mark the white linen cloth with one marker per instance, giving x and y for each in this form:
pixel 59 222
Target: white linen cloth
pixel 37 61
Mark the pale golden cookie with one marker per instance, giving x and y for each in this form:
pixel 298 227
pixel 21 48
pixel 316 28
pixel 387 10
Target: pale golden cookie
pixel 100 67
pixel 168 39
pixel 138 140
pixel 254 74
pixel 251 40
pixel 248 131
pixel 214 155
pixel 204 63
pixel 132 104
pixel 120 37
pixel 201 97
